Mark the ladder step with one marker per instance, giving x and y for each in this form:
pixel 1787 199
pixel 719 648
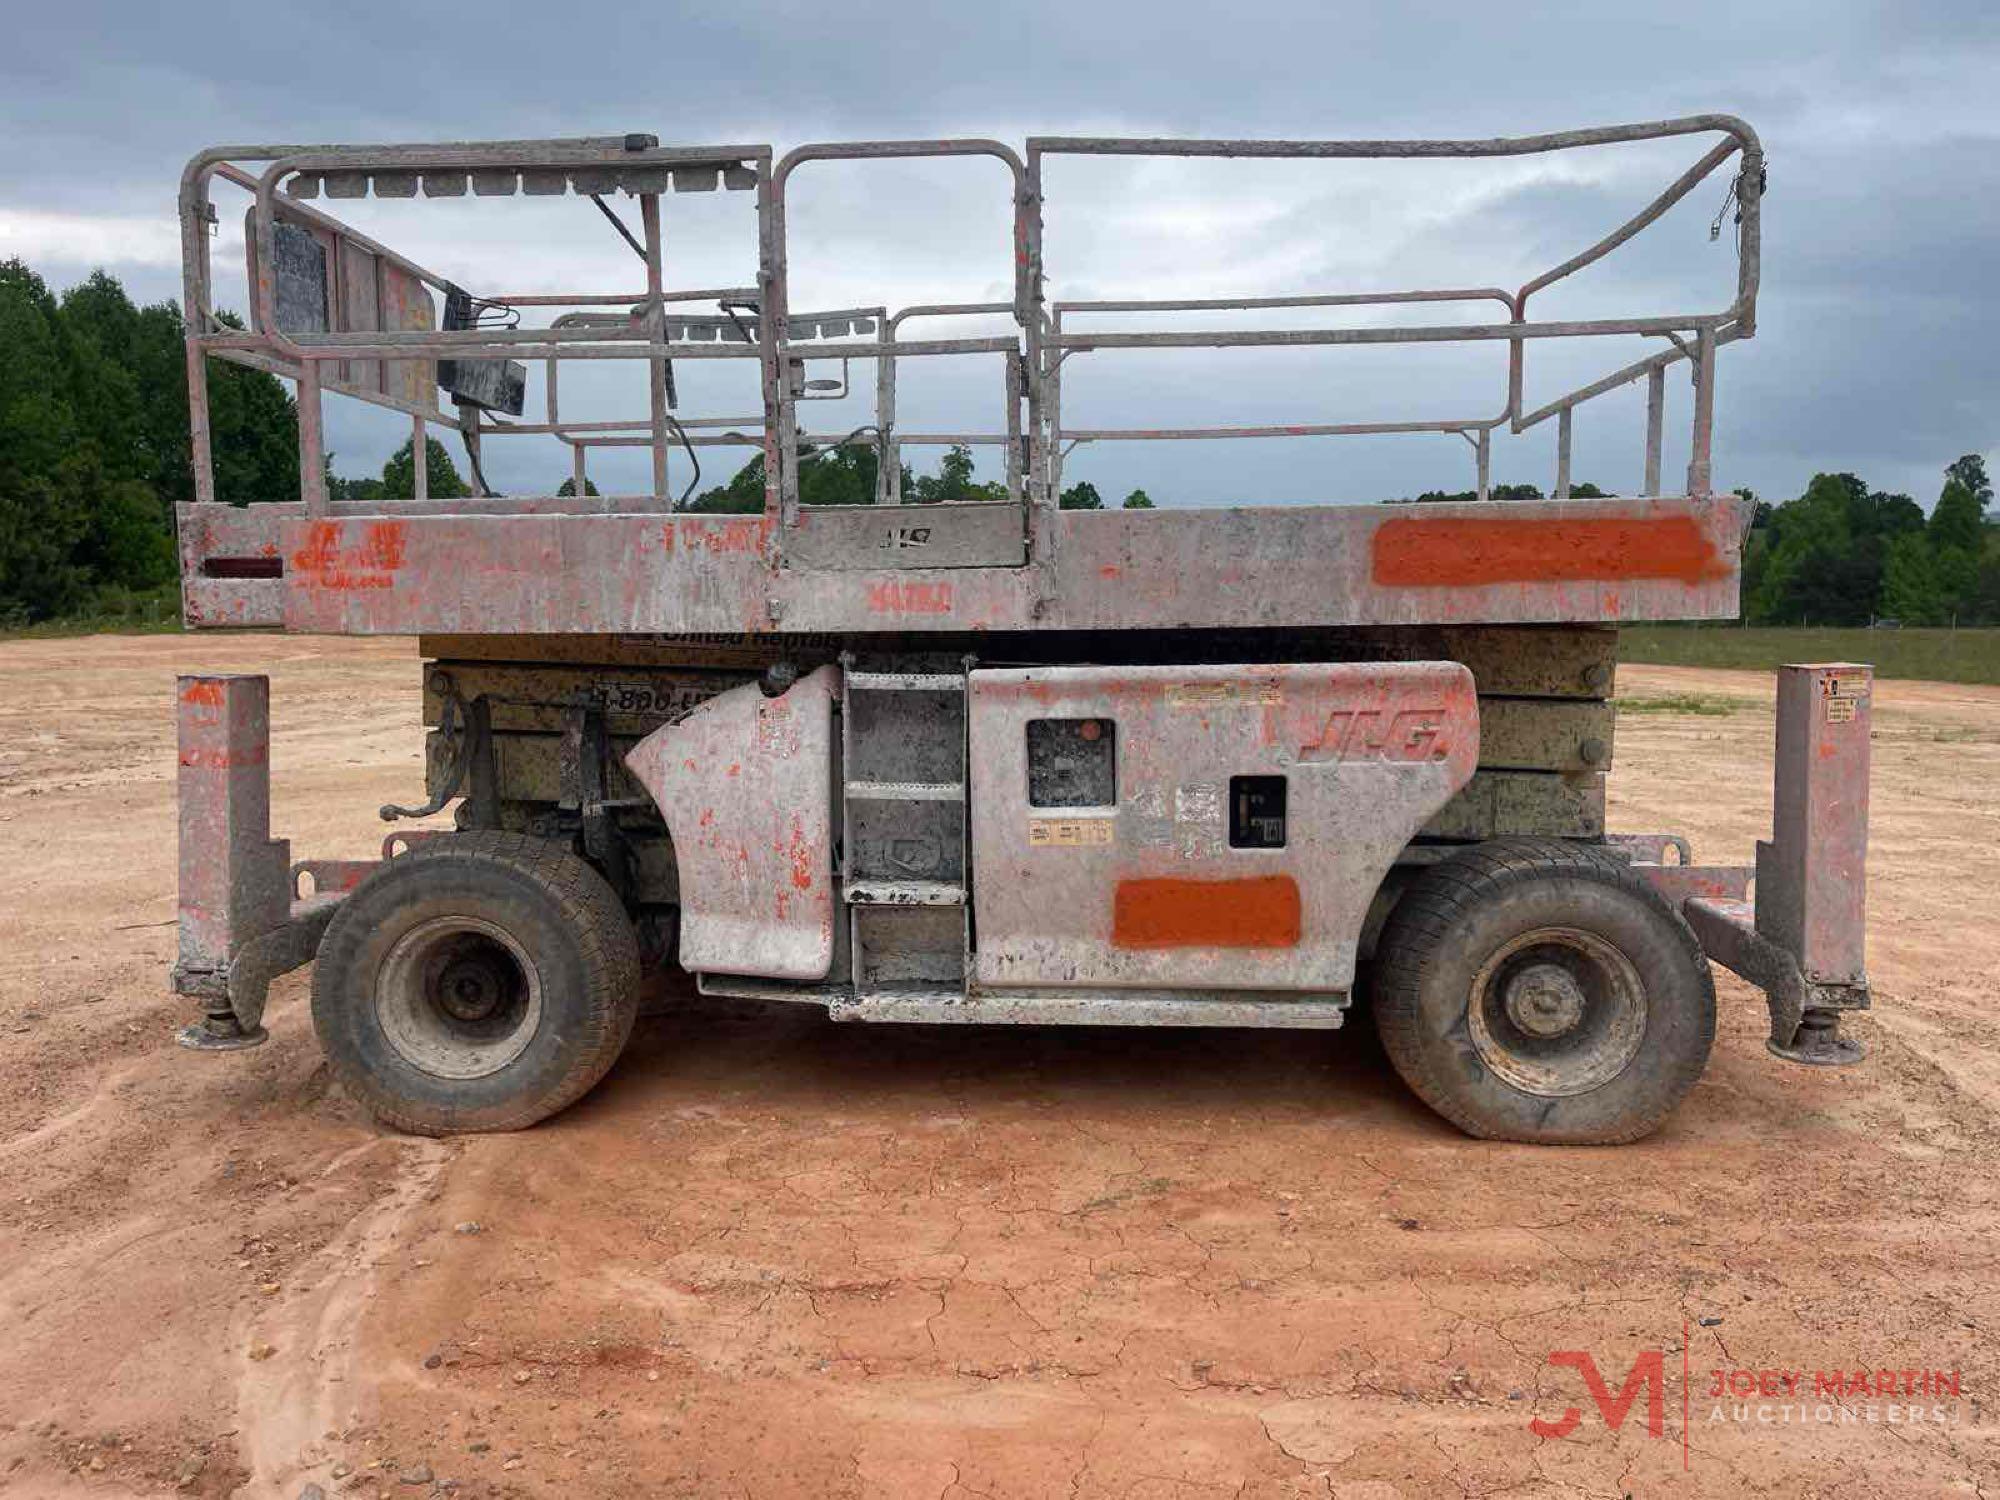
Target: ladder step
pixel 937 1005
pixel 905 682
pixel 906 791
pixel 905 893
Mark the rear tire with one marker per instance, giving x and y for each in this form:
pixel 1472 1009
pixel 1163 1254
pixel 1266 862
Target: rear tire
pixel 479 983
pixel 1536 990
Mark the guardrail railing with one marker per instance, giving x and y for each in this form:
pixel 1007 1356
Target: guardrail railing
pixel 338 313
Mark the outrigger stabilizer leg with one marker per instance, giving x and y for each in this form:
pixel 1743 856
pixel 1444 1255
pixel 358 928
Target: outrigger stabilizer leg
pixel 239 926
pixel 1802 941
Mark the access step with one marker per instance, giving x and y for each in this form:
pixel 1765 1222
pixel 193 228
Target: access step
pixel 904 682
pixel 904 893
pixel 941 1006
pixel 906 791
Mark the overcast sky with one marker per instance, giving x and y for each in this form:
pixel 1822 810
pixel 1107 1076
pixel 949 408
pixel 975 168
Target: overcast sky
pixel 1876 352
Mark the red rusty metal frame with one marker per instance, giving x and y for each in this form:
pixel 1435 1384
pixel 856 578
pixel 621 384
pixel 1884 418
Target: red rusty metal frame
pixel 242 918
pixel 1476 430
pixel 545 565
pixel 690 432
pixel 1802 940
pixel 1681 877
pixel 534 571
pixel 239 926
pixel 639 165
pixel 889 471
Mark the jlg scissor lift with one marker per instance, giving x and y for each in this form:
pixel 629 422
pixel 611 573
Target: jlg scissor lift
pixel 987 761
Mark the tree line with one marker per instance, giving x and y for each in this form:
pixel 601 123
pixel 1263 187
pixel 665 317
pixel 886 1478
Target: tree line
pixel 1845 554
pixel 94 442
pixel 846 474
pixel 94 454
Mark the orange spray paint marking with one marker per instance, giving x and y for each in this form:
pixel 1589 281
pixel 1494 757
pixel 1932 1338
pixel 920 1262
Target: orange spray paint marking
pixel 1259 912
pixel 746 535
pixel 382 544
pixel 892 597
pixel 802 860
pixel 369 563
pixel 1410 552
pixel 223 760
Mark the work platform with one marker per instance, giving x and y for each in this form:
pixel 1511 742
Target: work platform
pixel 340 313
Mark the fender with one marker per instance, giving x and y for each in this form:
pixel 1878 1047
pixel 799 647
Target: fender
pixel 745 784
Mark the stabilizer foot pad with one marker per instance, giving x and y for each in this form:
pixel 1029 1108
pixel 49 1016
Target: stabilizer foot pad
pixel 1816 1052
pixel 228 1037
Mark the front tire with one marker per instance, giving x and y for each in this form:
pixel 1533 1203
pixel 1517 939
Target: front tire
pixel 1536 990
pixel 479 983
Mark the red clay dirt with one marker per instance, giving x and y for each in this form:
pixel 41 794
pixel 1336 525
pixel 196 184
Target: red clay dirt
pixel 775 1256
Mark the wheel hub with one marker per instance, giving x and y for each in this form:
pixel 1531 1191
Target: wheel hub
pixel 458 997
pixel 469 990
pixel 1557 1012
pixel 1544 1000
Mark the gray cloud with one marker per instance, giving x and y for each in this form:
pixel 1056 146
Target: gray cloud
pixel 1877 346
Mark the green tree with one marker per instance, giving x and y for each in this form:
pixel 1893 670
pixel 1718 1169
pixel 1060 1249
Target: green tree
pixel 1912 591
pixel 568 487
pixel 1970 471
pixel 1959 518
pixel 1959 536
pixel 253 426
pixel 1986 587
pixel 42 514
pixel 1138 500
pixel 1495 492
pixel 128 376
pixel 953 481
pixel 367 487
pixel 1080 496
pixel 743 495
pixel 843 475
pixel 835 476
pixel 399 474
pixel 125 541
pixel 97 332
pixel 1823 558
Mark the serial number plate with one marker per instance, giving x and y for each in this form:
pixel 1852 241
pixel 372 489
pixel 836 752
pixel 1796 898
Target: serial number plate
pixel 1199 695
pixel 1068 833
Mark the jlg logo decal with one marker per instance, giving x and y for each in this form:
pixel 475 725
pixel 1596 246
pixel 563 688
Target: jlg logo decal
pixel 1410 734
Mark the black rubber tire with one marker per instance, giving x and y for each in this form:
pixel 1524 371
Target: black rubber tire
pixel 562 915
pixel 1458 914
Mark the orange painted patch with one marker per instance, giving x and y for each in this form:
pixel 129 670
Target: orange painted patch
pixel 1412 552
pixel 1260 912
pixel 369 562
pixel 205 694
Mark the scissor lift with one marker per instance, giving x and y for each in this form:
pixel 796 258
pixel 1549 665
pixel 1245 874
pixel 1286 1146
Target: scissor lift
pixel 985 760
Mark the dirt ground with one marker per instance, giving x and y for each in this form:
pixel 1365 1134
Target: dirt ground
pixel 773 1256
